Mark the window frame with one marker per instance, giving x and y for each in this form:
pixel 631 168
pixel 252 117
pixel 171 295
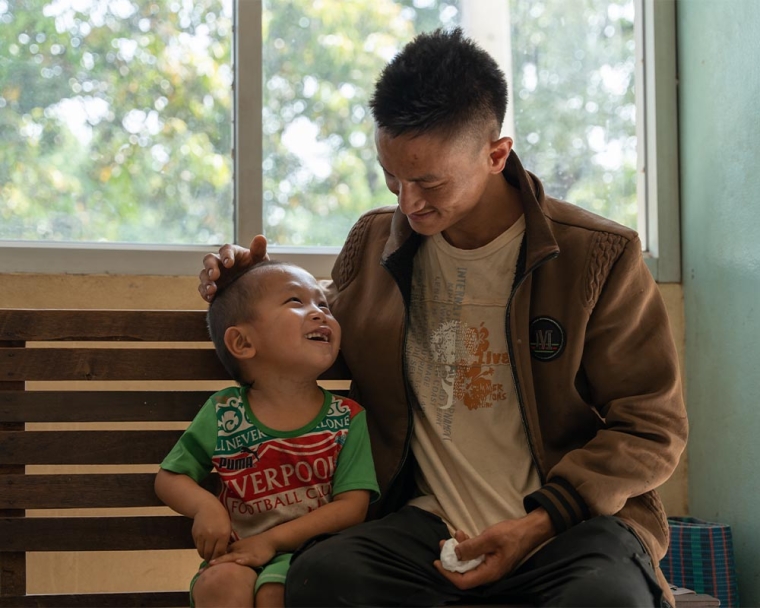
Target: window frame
pixel 659 166
pixel 658 186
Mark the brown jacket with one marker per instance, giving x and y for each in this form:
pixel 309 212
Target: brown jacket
pixel 593 358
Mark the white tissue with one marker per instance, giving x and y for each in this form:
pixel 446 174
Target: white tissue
pixel 451 562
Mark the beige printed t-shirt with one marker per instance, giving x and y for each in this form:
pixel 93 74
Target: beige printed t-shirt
pixel 474 461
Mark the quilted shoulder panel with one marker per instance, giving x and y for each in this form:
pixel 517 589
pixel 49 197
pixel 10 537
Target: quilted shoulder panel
pixel 605 249
pixel 347 263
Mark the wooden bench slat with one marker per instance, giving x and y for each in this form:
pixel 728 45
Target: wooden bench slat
pixel 69 491
pixel 86 447
pixel 100 406
pixel 124 325
pixel 12 565
pixel 57 364
pixel 95 533
pixel 12 573
pixel 77 491
pixel 151 599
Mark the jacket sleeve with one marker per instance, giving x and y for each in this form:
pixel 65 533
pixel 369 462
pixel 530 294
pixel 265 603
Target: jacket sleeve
pixel 631 364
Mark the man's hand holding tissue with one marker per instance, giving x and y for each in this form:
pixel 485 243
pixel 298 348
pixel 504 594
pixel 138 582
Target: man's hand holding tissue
pixel 504 546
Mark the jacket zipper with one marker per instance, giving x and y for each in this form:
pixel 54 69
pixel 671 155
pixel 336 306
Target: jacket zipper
pixel 510 349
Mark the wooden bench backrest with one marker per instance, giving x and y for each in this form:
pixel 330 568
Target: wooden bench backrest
pixel 22 361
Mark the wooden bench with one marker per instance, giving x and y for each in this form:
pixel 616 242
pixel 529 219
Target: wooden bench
pixel 104 348
pixel 62 345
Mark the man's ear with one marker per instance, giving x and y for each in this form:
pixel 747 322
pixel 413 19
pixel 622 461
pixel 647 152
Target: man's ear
pixel 239 342
pixel 499 153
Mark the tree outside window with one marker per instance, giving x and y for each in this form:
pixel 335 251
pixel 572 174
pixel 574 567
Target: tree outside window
pixel 116 116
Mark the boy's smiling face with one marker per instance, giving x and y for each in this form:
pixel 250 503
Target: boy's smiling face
pixel 292 327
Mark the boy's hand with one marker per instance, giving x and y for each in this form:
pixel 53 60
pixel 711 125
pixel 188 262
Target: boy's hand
pixel 253 551
pixel 220 268
pixel 211 530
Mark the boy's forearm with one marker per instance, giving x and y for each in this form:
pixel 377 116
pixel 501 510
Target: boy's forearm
pixel 181 493
pixel 346 510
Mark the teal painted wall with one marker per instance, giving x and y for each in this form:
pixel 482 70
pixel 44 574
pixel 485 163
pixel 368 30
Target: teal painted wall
pixel 719 122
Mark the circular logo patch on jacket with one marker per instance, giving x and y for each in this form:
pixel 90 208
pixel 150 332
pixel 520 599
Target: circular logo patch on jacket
pixel 547 338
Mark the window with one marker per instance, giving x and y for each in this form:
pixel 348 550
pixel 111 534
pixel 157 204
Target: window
pixel 116 122
pixel 121 124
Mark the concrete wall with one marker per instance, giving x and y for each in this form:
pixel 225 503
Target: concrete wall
pixel 719 73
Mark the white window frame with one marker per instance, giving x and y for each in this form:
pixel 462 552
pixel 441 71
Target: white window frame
pixel 657 127
pixel 658 185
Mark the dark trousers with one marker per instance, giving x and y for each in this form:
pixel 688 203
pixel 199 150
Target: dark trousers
pixel 389 562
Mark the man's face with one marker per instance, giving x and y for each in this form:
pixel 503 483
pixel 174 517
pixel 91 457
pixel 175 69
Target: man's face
pixel 293 328
pixel 439 182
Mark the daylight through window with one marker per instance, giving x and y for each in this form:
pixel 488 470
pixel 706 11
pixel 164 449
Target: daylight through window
pixel 116 116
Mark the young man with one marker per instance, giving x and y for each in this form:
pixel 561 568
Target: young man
pixel 294 460
pixel 515 361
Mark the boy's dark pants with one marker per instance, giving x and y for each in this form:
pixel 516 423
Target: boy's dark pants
pixel 389 562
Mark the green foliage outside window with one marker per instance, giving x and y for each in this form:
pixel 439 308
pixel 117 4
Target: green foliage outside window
pixel 115 115
pixel 321 60
pixel 575 108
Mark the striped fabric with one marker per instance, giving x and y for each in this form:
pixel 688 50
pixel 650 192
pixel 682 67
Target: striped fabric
pixel 701 557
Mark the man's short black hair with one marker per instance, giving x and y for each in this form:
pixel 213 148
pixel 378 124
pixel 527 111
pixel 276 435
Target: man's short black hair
pixel 440 82
pixel 233 304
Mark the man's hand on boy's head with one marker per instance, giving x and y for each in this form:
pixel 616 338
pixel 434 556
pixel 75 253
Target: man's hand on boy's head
pixel 220 268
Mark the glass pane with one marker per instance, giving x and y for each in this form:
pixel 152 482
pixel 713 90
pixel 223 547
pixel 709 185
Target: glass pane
pixel 321 59
pixel 574 104
pixel 115 121
pixel 571 90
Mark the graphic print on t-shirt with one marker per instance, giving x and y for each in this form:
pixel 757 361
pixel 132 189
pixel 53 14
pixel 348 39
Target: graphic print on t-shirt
pixel 456 351
pixel 467 365
pixel 276 478
pixel 456 347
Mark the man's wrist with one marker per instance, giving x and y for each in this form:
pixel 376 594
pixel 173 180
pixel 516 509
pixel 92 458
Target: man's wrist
pixel 539 527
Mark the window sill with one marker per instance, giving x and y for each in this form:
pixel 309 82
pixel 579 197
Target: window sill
pixel 123 259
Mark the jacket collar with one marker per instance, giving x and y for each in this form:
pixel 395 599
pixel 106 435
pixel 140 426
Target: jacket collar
pixel 539 239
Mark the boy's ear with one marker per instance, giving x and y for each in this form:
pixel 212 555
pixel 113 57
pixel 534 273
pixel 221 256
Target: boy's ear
pixel 239 342
pixel 500 150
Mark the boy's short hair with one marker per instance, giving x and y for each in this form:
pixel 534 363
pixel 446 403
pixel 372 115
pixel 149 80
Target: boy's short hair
pixel 440 82
pixel 233 304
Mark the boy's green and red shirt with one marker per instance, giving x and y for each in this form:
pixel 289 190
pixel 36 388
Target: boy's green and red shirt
pixel 269 476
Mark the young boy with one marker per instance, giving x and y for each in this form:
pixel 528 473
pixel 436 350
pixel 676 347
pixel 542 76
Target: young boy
pixel 294 460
